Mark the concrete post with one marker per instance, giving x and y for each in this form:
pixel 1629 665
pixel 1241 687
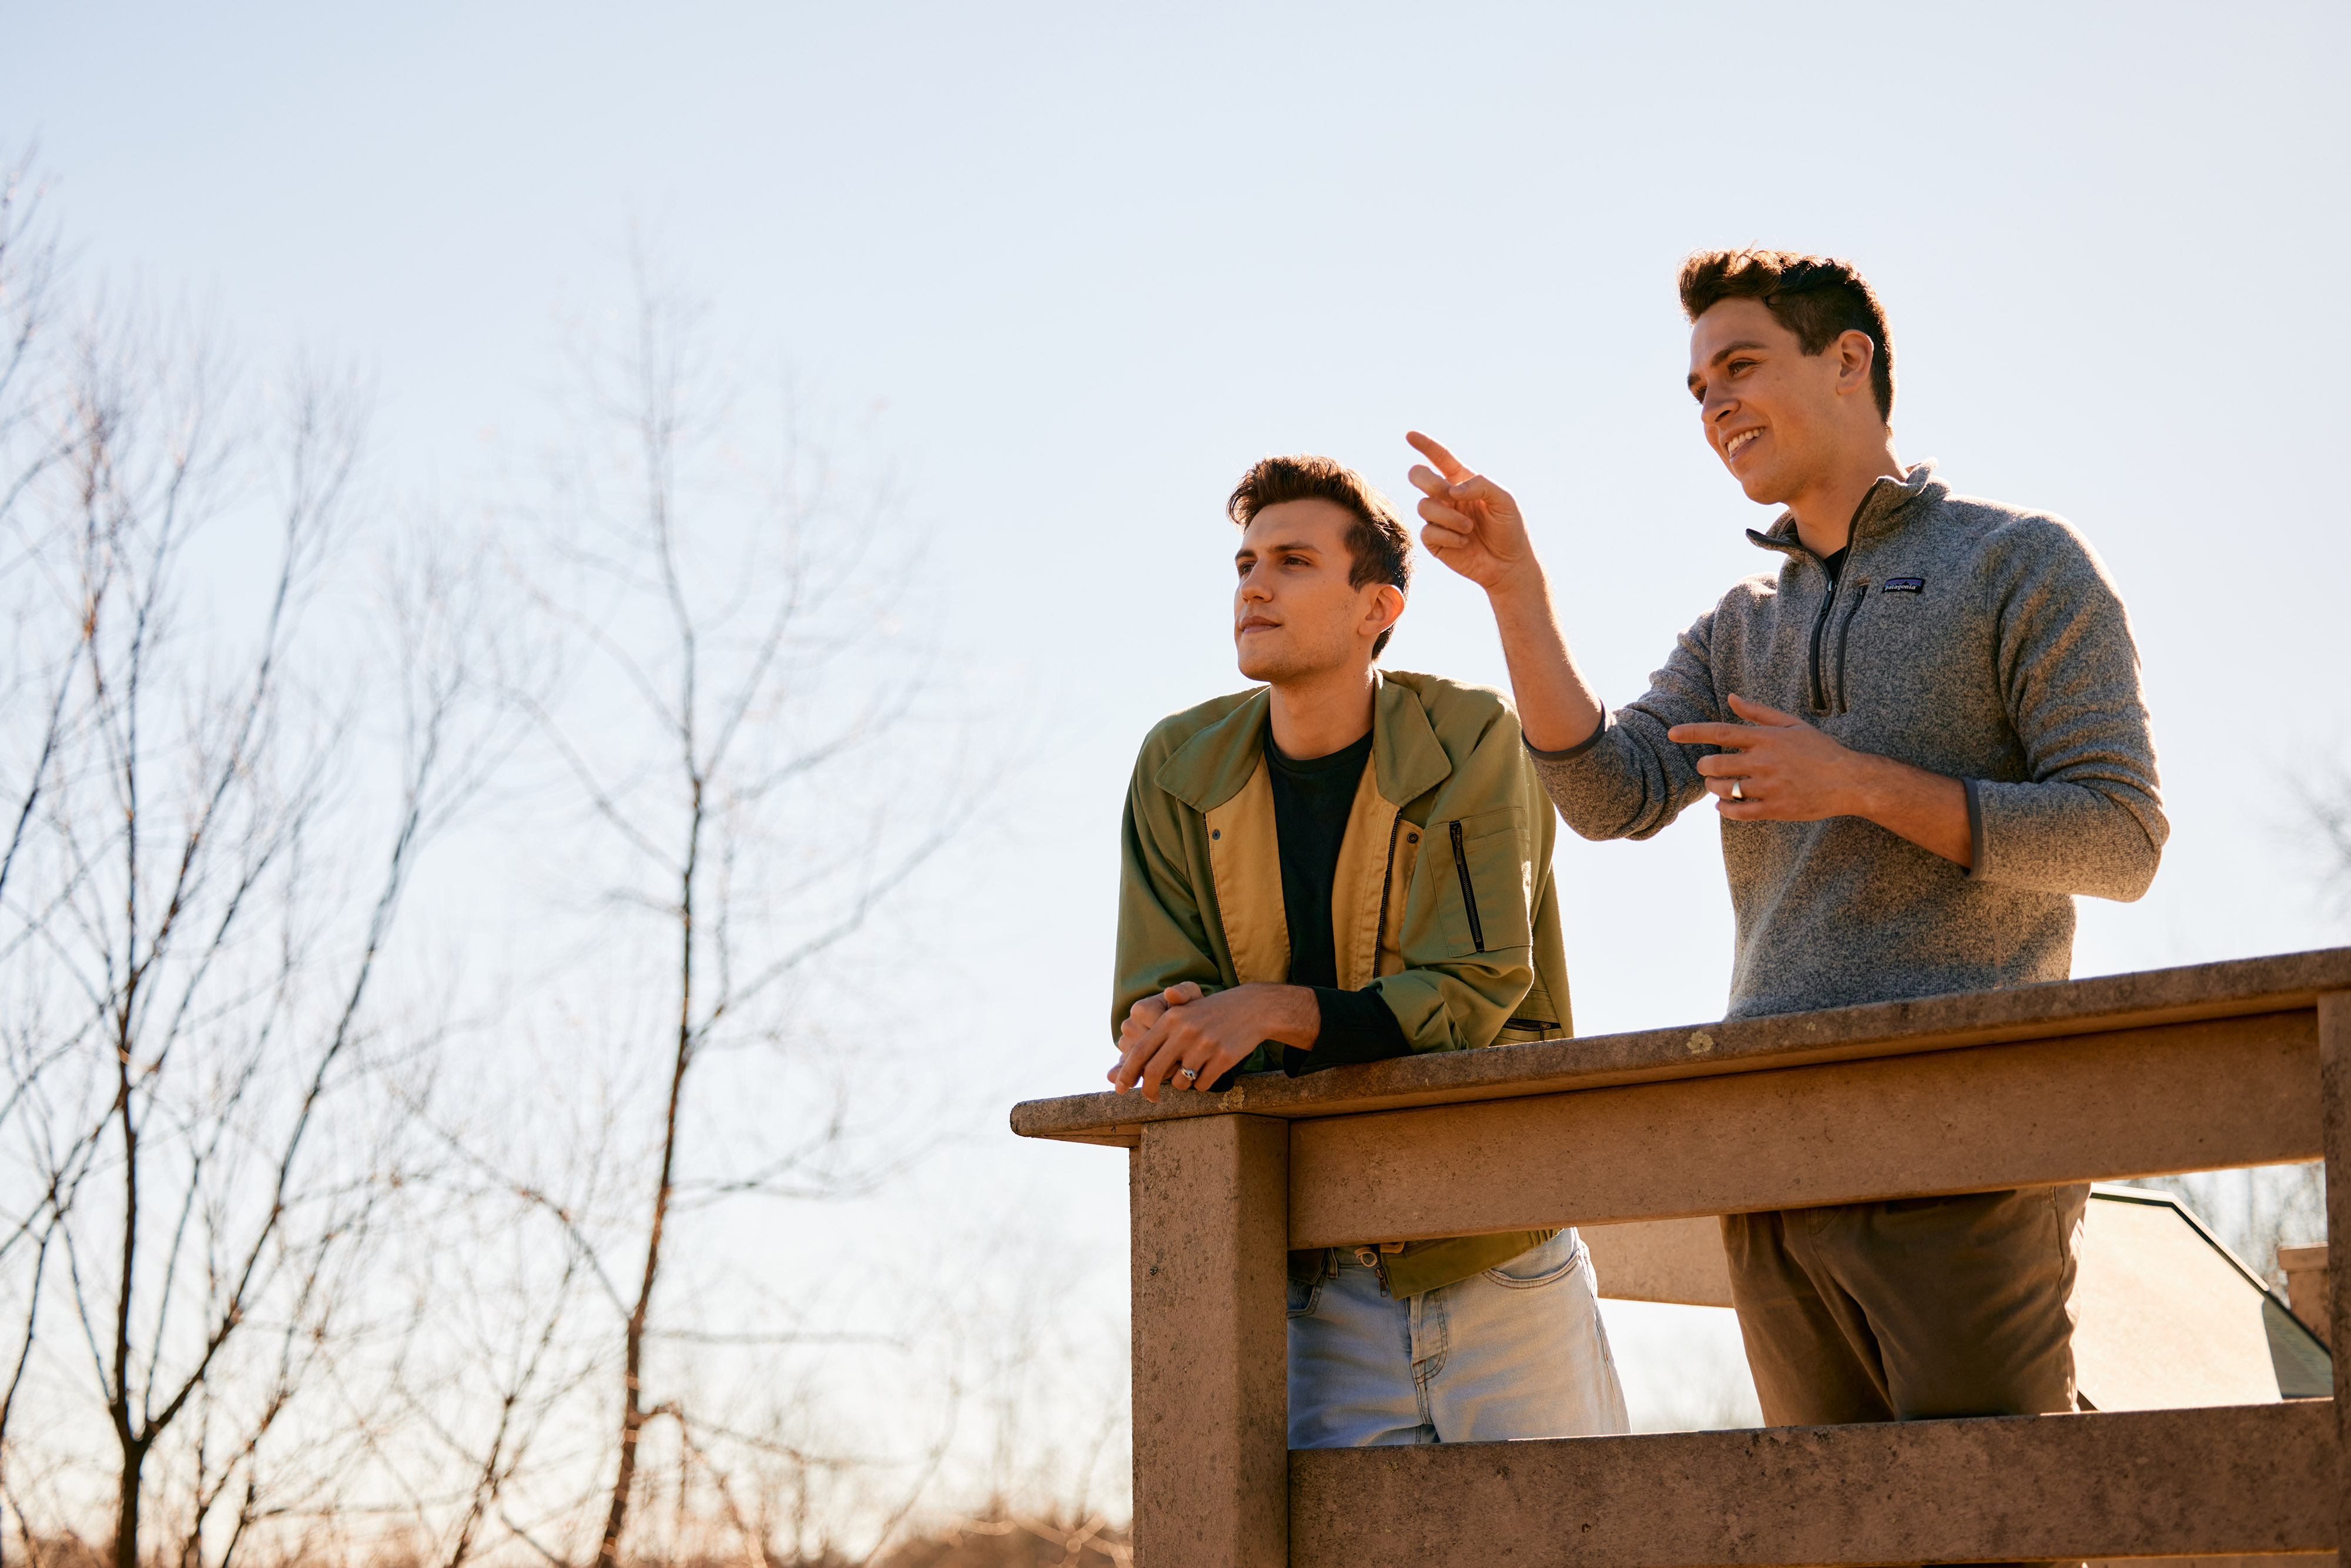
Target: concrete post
pixel 1210 1199
pixel 2334 1108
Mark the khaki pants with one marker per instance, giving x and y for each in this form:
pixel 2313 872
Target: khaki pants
pixel 1912 1308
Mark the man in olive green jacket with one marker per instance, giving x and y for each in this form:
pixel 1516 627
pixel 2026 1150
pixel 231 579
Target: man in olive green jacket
pixel 1342 865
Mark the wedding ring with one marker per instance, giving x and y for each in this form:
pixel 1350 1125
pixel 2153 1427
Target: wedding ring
pixel 1187 1073
pixel 1739 789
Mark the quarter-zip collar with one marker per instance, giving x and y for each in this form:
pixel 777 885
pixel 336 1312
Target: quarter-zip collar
pixel 1882 510
pixel 1883 507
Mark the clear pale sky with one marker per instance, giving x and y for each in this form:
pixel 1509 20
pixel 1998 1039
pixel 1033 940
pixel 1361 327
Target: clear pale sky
pixel 1081 265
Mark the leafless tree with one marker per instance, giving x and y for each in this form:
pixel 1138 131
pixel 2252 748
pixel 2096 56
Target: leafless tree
pixel 264 1236
pixel 34 437
pixel 194 908
pixel 735 612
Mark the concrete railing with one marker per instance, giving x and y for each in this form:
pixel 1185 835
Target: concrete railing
pixel 2206 1068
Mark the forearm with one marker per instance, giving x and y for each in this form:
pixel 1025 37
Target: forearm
pixel 1557 708
pixel 1288 1015
pixel 1929 810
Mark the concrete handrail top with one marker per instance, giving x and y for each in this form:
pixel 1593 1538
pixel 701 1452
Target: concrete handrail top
pixel 2237 987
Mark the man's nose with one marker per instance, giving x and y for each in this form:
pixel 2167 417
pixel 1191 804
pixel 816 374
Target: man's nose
pixel 1251 589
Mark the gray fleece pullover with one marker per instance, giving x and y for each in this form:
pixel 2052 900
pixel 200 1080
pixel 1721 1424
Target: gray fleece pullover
pixel 1964 637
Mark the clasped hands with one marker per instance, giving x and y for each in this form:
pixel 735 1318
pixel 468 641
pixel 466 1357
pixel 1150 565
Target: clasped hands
pixel 1188 1038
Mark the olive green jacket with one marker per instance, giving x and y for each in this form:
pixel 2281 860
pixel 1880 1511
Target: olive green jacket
pixel 1443 900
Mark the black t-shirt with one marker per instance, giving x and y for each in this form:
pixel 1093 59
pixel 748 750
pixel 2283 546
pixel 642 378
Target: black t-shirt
pixel 1312 801
pixel 1835 564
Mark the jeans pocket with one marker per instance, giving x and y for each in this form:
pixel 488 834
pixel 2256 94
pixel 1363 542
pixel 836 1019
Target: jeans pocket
pixel 1304 1298
pixel 1543 1265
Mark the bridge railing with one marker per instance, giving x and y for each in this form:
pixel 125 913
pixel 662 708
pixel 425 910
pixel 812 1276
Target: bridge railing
pixel 2205 1068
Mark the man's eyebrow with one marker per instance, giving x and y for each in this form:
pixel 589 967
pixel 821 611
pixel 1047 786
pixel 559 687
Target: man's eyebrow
pixel 1726 352
pixel 1297 545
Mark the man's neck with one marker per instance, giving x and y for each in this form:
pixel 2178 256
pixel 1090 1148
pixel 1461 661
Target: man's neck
pixel 1324 713
pixel 1824 509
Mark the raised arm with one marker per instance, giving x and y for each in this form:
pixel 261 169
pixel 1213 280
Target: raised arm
pixel 1475 526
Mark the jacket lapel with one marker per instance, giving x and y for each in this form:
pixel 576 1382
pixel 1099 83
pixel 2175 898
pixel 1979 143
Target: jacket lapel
pixel 1405 752
pixel 1373 876
pixel 1245 859
pixel 1361 877
pixel 1220 773
pixel 1211 767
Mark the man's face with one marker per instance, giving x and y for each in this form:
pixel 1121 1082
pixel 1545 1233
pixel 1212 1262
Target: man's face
pixel 1294 615
pixel 1771 410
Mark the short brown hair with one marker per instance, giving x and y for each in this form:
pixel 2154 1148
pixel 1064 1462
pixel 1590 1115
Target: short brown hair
pixel 1377 541
pixel 1815 297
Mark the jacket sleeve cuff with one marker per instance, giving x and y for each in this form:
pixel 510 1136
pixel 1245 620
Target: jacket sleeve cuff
pixel 1578 749
pixel 1357 1026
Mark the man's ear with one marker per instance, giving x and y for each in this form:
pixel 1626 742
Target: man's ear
pixel 1385 610
pixel 1856 353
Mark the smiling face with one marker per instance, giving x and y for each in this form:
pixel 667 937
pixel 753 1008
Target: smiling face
pixel 1779 418
pixel 1295 615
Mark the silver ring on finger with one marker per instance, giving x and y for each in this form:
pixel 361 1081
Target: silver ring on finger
pixel 1187 1073
pixel 1739 789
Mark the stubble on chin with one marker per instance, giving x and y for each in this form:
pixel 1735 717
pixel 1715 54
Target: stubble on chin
pixel 1261 670
pixel 1263 665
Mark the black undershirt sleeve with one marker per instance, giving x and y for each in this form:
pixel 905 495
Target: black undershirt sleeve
pixel 1356 1027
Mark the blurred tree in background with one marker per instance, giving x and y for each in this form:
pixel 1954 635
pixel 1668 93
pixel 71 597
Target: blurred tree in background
pixel 325 1233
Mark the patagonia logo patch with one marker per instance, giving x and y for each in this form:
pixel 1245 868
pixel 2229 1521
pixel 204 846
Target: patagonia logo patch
pixel 1905 585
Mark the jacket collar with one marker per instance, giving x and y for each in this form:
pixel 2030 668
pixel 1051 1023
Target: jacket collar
pixel 1408 761
pixel 1882 509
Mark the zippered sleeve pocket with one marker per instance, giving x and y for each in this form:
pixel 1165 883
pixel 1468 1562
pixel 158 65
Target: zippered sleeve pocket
pixel 1482 893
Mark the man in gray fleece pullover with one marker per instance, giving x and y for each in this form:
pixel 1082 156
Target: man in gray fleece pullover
pixel 1925 735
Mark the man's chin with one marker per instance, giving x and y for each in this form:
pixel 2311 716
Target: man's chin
pixel 1265 665
pixel 1278 661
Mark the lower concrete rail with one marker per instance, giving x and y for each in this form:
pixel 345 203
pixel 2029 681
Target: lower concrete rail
pixel 2204 1067
pixel 2252 1480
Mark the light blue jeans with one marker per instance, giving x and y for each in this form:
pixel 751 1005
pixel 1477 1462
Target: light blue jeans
pixel 1515 1352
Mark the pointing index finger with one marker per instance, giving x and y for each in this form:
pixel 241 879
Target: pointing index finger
pixel 1452 467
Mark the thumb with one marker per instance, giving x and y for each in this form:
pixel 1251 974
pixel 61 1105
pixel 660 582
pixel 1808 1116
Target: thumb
pixel 1178 995
pixel 1756 713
